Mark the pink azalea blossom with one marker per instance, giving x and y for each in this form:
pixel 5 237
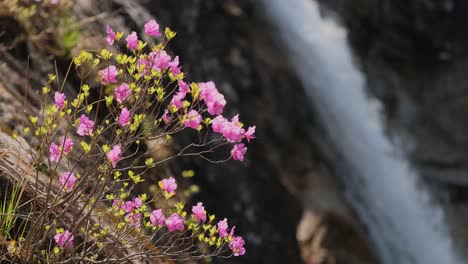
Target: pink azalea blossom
pixel 177 100
pixel 55 150
pixel 174 66
pixel 232 231
pixel 214 100
pixel 128 206
pixel 114 155
pixel 231 130
pixel 222 228
pixel 238 152
pixel 193 119
pixel 132 41
pixel 137 202
pixel 124 118
pixel 165 117
pixel 122 92
pixel 249 135
pixel 169 185
pixel 199 212
pixel 117 203
pixel 55 153
pixel 64 240
pixel 161 60
pixel 67 144
pixel 59 100
pixel 67 179
pixel 218 124
pixel 134 219
pixel 157 217
pixel 108 75
pixel 183 86
pixel 175 223
pixel 147 64
pixel 85 126
pixel 110 35
pixel 237 246
pixel 152 28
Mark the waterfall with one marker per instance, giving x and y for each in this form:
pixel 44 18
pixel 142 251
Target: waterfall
pixel 403 222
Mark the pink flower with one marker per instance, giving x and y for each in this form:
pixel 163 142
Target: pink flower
pixel 249 135
pixel 238 152
pixel 175 223
pixel 85 126
pixel 128 206
pixel 165 117
pixel 232 130
pixel 67 145
pixel 177 100
pixel 218 124
pixel 214 100
pixel 55 152
pixel 122 92
pixel 116 202
pixel 237 246
pixel 152 28
pixel 137 202
pixel 64 240
pixel 134 219
pixel 199 212
pixel 147 64
pixel 193 119
pixel 222 228
pixel 183 86
pixel 132 41
pixel 54 2
pixel 110 35
pixel 232 231
pixel 174 66
pixel 124 118
pixel 59 100
pixel 157 218
pixel 108 75
pixel 67 179
pixel 160 59
pixel 169 185
pixel 114 155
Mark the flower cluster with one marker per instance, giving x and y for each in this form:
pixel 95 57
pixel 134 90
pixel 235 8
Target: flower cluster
pixel 56 151
pixel 143 97
pixel 215 102
pixel 136 214
pixel 64 239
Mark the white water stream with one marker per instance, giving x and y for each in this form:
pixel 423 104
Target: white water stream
pixel 405 226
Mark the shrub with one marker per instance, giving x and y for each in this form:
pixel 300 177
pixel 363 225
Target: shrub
pixel 90 148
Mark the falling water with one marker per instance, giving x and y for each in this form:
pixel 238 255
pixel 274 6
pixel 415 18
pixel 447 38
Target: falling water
pixel 404 224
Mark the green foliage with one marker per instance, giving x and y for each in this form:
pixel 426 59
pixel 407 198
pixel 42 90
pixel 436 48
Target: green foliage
pixel 9 214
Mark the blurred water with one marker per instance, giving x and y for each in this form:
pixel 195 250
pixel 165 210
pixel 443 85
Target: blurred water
pixel 405 226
